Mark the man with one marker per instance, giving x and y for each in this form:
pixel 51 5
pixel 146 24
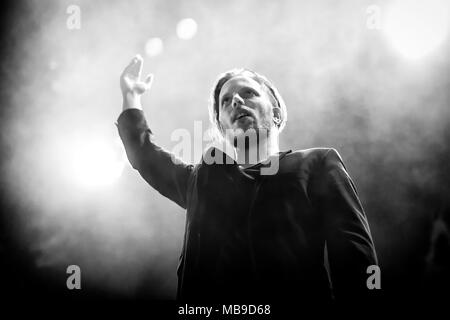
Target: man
pixel 299 232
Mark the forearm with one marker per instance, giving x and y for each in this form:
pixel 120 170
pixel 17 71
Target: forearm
pixel 131 100
pixel 155 164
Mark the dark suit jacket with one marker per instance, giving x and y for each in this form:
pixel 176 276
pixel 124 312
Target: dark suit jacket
pixel 300 233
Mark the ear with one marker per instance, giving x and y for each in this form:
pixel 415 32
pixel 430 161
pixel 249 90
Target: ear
pixel 277 119
pixel 220 127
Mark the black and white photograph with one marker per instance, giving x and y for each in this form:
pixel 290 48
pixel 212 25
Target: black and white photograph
pixel 211 159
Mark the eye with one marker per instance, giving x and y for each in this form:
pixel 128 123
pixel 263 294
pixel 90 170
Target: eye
pixel 249 93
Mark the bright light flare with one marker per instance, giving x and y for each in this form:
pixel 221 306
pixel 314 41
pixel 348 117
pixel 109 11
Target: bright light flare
pixel 186 29
pixel 154 47
pixel 93 163
pixel 417 27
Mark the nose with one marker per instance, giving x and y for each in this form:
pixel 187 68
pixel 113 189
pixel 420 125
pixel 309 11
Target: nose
pixel 237 100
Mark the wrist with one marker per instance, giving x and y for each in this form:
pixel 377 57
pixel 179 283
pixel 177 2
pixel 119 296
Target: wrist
pixel 131 101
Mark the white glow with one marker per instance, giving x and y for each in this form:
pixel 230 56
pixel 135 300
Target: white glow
pixel 92 163
pixel 417 27
pixel 154 47
pixel 52 65
pixel 186 29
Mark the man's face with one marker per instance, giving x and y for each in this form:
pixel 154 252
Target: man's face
pixel 244 104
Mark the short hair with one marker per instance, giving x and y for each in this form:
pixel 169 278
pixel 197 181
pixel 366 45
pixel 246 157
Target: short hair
pixel 263 81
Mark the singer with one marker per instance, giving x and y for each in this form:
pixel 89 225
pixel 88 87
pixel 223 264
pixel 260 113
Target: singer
pixel 299 233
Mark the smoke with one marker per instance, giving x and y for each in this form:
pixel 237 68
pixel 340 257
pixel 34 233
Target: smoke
pixel 344 86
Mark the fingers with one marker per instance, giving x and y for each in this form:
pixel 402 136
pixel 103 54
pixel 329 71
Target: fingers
pixel 143 86
pixel 134 60
pixel 128 81
pixel 149 81
pixel 134 68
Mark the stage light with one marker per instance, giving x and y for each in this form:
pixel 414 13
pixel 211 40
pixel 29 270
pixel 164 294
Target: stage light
pixel 93 163
pixel 416 28
pixel 52 65
pixel 186 29
pixel 154 47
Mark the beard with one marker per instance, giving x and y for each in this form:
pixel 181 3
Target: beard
pixel 249 138
pixel 250 134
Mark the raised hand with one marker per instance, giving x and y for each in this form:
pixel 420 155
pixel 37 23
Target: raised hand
pixel 131 85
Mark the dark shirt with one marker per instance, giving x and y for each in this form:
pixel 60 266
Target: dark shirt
pixel 301 232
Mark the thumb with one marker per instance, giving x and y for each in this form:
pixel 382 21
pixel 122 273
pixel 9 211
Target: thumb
pixel 143 86
pixel 148 81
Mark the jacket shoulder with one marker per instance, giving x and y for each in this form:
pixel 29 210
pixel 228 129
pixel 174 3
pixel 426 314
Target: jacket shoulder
pixel 312 154
pixel 310 159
